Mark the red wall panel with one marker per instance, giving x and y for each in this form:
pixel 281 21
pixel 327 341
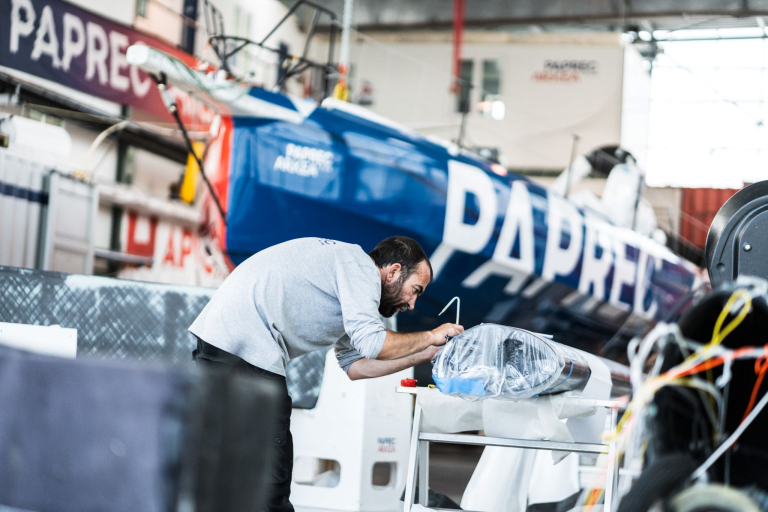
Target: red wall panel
pixel 698 209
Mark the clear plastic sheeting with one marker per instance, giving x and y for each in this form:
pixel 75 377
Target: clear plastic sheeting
pixel 506 363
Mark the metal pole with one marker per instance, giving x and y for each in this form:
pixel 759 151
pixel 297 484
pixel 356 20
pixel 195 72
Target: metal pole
pixel 612 476
pixel 413 461
pixel 458 84
pixel 341 91
pixel 117 211
pixel 346 28
pixel 423 473
pixel 673 230
pixel 464 110
pixel 459 8
pixel 170 104
pixel 640 183
pixel 574 149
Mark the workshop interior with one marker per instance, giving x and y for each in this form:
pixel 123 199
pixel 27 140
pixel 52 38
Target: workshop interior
pixel 383 256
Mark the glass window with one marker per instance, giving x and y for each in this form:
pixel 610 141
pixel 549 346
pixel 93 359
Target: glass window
pixel 141 8
pixel 491 105
pixel 491 80
pixel 464 97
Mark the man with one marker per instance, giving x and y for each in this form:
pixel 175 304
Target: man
pixel 306 294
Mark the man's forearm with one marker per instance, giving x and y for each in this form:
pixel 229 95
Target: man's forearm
pixel 401 351
pixel 372 368
pixel 398 345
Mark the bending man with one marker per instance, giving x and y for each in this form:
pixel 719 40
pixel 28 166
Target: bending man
pixel 304 295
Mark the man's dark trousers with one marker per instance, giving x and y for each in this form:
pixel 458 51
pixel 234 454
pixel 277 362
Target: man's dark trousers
pixel 279 485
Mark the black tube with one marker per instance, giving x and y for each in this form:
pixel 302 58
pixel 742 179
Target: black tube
pixel 175 112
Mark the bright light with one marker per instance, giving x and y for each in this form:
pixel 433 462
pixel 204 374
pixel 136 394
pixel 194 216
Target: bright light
pixel 484 107
pixel 498 110
pixel 494 109
pixel 499 169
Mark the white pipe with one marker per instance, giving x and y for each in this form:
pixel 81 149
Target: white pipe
pixel 458 308
pixel 95 144
pixel 346 26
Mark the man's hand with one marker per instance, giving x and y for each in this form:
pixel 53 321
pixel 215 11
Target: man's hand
pixel 428 353
pixel 397 345
pixel 441 334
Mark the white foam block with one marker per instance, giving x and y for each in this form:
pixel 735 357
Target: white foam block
pixel 49 340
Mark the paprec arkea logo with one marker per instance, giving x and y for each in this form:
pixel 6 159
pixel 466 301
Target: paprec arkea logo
pixel 565 71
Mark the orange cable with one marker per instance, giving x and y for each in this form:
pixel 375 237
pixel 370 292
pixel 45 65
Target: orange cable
pixel 761 367
pixel 596 493
pixel 715 361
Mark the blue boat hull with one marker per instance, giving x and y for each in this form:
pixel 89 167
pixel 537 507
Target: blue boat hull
pixel 514 254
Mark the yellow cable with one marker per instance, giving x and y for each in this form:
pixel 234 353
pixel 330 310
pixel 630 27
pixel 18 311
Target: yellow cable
pixel 649 389
pixel 717 336
pixel 654 384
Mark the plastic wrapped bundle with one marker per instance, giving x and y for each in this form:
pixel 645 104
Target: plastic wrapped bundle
pixel 506 363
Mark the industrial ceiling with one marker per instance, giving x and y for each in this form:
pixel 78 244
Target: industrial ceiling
pixel 554 15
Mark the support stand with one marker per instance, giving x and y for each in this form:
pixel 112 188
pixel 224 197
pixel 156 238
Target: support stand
pixel 418 459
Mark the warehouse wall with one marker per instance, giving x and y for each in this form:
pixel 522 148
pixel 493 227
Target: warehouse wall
pixel 121 12
pixel 544 105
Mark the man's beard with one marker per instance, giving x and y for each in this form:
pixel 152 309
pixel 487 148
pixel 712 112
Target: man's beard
pixel 391 298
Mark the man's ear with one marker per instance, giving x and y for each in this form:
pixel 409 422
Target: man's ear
pixel 393 272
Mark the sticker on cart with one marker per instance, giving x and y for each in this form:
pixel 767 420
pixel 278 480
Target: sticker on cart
pixel 386 445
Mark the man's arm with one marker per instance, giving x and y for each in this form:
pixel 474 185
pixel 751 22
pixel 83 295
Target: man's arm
pixel 371 368
pixel 399 345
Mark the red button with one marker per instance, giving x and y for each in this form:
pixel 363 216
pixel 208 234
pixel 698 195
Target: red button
pixel 408 383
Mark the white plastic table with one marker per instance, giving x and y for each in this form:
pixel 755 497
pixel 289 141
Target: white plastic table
pixel 418 459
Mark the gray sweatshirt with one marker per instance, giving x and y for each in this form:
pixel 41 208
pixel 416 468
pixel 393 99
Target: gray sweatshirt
pixel 294 298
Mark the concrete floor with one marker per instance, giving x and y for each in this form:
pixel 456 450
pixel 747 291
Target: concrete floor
pixel 450 468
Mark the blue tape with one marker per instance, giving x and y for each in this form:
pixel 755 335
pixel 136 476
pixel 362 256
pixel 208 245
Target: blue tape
pixel 463 386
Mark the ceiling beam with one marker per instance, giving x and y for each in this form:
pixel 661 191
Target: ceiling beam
pixel 376 15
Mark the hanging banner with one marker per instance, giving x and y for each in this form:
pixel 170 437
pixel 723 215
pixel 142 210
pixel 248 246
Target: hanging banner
pixel 76 48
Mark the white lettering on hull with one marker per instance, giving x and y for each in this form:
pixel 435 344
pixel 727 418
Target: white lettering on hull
pixel 595 250
pixel 563 217
pixel 466 179
pixel 304 161
pixel 594 270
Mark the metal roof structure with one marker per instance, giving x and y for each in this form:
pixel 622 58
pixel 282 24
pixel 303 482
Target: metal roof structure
pixel 556 15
